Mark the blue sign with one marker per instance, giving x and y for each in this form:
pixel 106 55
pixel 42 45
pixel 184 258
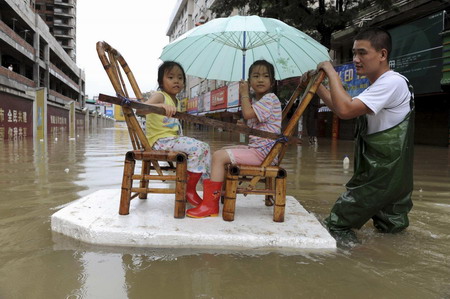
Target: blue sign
pixel 352 83
pixel 109 112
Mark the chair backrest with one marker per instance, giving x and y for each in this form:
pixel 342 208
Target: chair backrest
pixel 309 92
pixel 114 65
pixel 279 148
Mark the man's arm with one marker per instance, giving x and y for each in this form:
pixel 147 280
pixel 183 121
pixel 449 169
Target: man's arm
pixel 337 99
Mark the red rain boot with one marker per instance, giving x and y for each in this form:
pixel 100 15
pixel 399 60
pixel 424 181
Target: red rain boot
pixel 210 205
pixel 191 192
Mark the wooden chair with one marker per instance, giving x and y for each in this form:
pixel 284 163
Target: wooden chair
pixel 273 176
pixel 114 65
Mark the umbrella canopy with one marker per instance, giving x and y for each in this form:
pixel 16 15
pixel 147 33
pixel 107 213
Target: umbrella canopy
pixel 223 48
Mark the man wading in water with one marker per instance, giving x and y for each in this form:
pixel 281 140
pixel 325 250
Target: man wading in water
pixel 382 182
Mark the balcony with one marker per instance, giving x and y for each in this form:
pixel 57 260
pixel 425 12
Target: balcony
pixel 18 78
pixel 56 97
pixel 64 3
pixel 27 49
pixel 62 25
pixel 63 15
pixel 63 35
pixel 57 73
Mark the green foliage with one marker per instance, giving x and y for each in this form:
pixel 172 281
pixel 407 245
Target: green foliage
pixel 318 18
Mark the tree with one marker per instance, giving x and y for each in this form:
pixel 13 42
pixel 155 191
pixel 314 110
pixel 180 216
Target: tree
pixel 318 18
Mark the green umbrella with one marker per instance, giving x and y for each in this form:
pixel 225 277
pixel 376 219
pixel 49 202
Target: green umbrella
pixel 222 48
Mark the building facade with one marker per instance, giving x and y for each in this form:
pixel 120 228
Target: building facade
pixel 60 17
pixel 34 67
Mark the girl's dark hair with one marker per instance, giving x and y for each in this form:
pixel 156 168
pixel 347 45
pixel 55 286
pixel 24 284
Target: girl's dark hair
pixel 166 66
pixel 269 67
pixel 378 38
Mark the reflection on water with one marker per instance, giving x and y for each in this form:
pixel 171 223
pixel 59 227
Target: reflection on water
pixel 38 178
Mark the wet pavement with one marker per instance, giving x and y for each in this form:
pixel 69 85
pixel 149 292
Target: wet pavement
pixel 37 179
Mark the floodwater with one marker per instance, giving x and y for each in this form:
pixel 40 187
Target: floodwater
pixel 37 179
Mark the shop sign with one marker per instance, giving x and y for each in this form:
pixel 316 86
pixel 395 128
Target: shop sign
pixel 192 105
pixel 207 101
pixel 233 94
pixel 219 98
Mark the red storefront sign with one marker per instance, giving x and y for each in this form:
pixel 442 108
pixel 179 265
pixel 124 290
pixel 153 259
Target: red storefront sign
pixel 219 98
pixel 16 117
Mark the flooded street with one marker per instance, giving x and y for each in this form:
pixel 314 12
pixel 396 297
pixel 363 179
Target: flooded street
pixel 37 179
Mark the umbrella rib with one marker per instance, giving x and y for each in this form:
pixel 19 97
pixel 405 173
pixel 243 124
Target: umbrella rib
pixel 214 59
pixel 192 44
pixel 262 38
pixel 225 39
pixel 307 53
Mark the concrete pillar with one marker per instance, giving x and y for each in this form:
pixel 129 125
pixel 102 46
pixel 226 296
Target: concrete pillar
pixel 94 122
pixel 47 64
pixel 40 114
pixel 72 120
pixel 36 60
pixel 86 120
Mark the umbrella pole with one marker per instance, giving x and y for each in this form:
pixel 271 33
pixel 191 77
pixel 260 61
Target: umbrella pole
pixel 243 56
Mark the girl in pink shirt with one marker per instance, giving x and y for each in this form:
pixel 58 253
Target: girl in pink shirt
pixel 263 113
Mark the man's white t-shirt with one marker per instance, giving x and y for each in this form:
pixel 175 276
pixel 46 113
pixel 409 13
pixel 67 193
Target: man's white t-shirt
pixel 388 98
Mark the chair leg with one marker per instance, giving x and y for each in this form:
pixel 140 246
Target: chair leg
pixel 229 206
pixel 280 199
pixel 127 184
pixel 222 195
pixel 180 189
pixel 144 183
pixel 269 186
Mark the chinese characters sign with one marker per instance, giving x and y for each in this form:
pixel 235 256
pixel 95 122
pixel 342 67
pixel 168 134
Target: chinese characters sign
pixel 57 120
pixel 15 117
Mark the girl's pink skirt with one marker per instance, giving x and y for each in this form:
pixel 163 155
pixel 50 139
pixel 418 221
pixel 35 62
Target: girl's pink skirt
pixel 242 154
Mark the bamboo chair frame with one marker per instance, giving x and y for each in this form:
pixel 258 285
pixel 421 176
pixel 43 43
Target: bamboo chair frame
pixel 273 176
pixel 114 64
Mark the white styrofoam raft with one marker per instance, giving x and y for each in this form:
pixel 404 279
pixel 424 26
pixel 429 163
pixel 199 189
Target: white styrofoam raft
pixel 95 219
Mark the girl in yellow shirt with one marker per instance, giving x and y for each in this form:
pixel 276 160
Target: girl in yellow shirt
pixel 165 132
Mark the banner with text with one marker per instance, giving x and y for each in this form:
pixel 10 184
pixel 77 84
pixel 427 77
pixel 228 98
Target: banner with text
pixel 352 83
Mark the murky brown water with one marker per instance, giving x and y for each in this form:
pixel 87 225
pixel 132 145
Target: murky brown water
pixel 38 179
